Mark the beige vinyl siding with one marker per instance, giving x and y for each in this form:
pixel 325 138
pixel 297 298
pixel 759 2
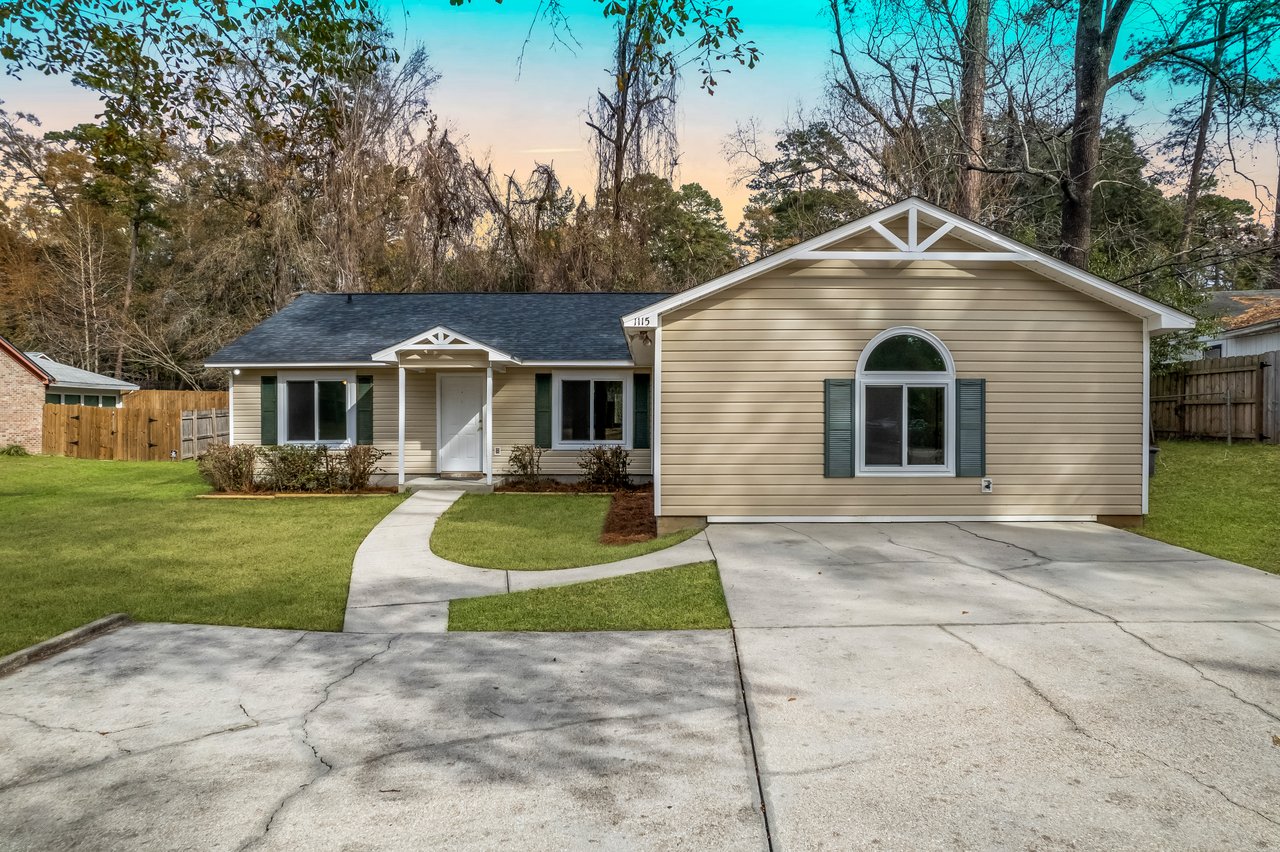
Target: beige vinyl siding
pixel 513 418
pixel 742 409
pixel 513 424
pixel 246 402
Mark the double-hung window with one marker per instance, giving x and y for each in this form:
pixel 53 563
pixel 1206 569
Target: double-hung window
pixel 591 410
pixel 315 410
pixel 905 422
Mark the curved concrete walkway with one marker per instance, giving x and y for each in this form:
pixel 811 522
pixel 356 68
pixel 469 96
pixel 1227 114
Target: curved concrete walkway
pixel 399 586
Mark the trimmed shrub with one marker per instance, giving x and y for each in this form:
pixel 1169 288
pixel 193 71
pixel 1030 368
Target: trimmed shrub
pixel 291 467
pixel 229 468
pixel 308 469
pixel 525 462
pixel 361 463
pixel 605 467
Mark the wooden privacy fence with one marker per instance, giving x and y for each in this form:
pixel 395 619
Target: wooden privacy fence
pixel 176 400
pixel 131 434
pixel 1233 398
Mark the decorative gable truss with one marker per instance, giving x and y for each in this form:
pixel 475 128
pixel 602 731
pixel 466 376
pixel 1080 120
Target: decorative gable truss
pixel 918 243
pixel 442 340
pixel 915 230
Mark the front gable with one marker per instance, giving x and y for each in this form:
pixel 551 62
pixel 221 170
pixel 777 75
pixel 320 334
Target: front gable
pixel 910 235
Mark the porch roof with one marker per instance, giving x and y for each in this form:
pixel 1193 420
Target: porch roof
pixel 337 328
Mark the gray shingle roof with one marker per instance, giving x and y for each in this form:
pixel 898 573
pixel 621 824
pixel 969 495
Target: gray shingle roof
pixel 65 375
pixel 327 328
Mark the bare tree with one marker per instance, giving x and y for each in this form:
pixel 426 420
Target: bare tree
pixel 634 121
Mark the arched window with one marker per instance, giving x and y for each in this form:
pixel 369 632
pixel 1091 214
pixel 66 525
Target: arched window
pixel 905 411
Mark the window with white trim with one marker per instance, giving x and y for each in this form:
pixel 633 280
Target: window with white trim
pixel 904 412
pixel 590 410
pixel 316 410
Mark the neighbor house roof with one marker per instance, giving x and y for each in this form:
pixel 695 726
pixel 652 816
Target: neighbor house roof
pixel 340 329
pixel 989 246
pixel 25 360
pixel 1243 310
pixel 65 375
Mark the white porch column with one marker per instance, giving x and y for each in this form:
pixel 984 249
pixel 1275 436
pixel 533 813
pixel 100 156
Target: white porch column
pixel 488 425
pixel 400 431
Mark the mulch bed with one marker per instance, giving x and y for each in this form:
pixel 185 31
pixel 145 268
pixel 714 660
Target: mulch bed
pixel 630 518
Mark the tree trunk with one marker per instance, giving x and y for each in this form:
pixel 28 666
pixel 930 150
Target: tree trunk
pixel 1202 131
pixel 1275 233
pixel 1092 61
pixel 973 90
pixel 135 230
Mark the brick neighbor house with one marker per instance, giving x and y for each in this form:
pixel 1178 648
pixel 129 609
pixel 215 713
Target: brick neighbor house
pixel 28 380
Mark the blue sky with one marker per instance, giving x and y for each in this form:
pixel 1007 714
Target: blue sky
pixel 519 114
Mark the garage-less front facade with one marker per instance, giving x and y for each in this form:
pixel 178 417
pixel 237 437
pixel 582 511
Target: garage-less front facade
pixel 909 365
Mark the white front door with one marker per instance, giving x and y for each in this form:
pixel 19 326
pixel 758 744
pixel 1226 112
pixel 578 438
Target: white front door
pixel 461 415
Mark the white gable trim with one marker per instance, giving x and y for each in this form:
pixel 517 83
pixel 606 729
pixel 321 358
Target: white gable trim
pixel 440 339
pixel 993 247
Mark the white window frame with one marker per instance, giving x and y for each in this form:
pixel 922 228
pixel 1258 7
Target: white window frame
pixel 558 377
pixel 282 406
pixel 945 380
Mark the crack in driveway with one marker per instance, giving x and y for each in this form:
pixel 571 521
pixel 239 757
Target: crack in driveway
pixel 1078 728
pixel 325 766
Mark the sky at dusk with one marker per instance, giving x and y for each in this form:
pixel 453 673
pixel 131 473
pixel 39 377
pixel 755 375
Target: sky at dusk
pixel 519 114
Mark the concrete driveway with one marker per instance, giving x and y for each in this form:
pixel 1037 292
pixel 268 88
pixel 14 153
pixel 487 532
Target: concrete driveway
pixel 1005 686
pixel 183 737
pixel 910 687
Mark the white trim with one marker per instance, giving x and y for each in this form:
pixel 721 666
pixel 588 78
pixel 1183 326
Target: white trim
pixel 302 365
pixel 439 338
pixel 487 442
pixel 568 364
pixel 1146 415
pixel 890 236
pixel 891 519
pixel 945 380
pixel 400 430
pixel 1166 318
pixel 628 411
pixel 655 430
pixel 282 405
pixel 231 410
pixel 914 331
pixel 947 256
pixel 938 234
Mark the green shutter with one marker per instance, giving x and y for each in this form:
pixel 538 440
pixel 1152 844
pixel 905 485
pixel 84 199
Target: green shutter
pixel 542 410
pixel 838 404
pixel 640 431
pixel 268 408
pixel 364 409
pixel 971 427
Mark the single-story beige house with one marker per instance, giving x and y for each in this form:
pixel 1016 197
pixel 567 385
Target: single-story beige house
pixel 910 365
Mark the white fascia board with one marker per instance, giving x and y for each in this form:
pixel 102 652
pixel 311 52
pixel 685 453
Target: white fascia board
pixel 1161 318
pixel 891 519
pixel 947 256
pixel 415 343
pixel 617 363
pixel 297 365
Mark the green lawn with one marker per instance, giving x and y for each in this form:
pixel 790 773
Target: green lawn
pixel 1220 500
pixel 533 532
pixel 688 597
pixel 80 539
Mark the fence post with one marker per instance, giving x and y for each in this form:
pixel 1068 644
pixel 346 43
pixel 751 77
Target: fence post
pixel 1230 423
